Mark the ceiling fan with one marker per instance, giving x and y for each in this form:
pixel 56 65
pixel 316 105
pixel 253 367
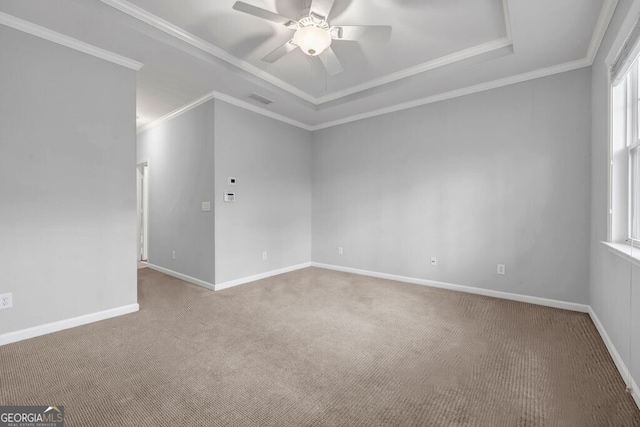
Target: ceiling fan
pixel 314 34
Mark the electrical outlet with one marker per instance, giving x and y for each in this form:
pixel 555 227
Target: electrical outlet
pixel 264 256
pixel 434 261
pixel 501 269
pixel 340 250
pixel 173 254
pixel 6 301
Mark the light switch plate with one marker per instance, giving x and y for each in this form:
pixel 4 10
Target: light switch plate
pixel 206 206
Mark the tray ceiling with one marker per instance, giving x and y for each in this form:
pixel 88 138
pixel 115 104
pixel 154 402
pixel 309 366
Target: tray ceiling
pixel 438 49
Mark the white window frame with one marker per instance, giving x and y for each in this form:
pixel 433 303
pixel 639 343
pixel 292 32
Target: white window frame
pixel 624 49
pixel 632 143
pixel 624 140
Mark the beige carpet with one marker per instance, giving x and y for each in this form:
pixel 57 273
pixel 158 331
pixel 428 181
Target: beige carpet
pixel 322 348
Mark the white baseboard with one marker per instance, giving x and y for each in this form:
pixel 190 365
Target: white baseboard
pixel 253 278
pixel 622 368
pixel 61 325
pixel 583 308
pixel 181 276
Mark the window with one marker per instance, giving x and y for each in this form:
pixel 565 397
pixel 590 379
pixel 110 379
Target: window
pixel 633 152
pixel 625 155
pixel 624 167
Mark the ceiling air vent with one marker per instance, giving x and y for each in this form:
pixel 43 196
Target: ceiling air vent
pixel 260 99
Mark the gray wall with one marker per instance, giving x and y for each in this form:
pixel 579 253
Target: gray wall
pixel 495 177
pixel 271 162
pixel 610 294
pixel 67 182
pixel 180 156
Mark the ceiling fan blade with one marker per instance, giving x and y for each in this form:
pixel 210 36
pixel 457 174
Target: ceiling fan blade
pixel 321 8
pixel 331 62
pixel 374 33
pixel 265 14
pixel 279 52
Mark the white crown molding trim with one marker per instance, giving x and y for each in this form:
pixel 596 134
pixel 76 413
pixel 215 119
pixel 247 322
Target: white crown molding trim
pixel 181 34
pixel 183 277
pixel 582 308
pixel 61 325
pixel 495 84
pixel 421 68
pixel 189 106
pixel 52 36
pixel 507 81
pixel 623 32
pixel 185 36
pixel 260 276
pixel 471 52
pixel 262 111
pixel 507 19
pixel 604 19
pixel 228 99
pixel 606 13
pixel 617 359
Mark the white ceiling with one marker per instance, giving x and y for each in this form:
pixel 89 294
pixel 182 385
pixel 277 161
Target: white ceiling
pixel 438 49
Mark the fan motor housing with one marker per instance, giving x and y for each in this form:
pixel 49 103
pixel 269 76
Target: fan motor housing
pixel 308 21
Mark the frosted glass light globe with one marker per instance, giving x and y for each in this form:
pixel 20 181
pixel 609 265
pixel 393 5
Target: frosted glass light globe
pixel 312 40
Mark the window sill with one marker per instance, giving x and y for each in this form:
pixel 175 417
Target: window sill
pixel 624 251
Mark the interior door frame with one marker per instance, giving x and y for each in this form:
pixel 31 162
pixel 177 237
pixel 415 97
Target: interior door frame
pixel 142 209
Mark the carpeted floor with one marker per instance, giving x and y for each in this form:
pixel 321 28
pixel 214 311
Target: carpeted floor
pixel 322 348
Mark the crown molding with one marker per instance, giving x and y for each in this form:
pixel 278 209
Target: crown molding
pixel 260 110
pixel 606 13
pixel 604 19
pixel 507 81
pixel 470 90
pixel 630 20
pixel 185 36
pixel 228 99
pixel 431 65
pixel 52 36
pixel 175 113
pixel 507 19
pixel 426 66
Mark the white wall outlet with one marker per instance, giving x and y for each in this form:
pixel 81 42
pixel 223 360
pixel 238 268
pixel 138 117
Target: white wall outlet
pixel 434 261
pixel 6 301
pixel 264 256
pixel 173 254
pixel 340 250
pixel 206 206
pixel 501 269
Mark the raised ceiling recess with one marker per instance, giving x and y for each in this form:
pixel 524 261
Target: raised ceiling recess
pixel 422 51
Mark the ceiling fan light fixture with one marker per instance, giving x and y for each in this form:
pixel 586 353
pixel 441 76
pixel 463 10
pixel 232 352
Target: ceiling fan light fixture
pixel 312 40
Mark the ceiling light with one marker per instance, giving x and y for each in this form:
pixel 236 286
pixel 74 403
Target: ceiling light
pixel 312 40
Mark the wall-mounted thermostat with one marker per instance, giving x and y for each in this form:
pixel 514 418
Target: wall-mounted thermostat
pixel 230 197
pixel 231 181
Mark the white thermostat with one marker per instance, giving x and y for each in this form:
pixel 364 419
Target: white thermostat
pixel 230 197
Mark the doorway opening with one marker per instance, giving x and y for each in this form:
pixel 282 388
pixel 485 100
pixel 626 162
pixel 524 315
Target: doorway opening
pixel 142 174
